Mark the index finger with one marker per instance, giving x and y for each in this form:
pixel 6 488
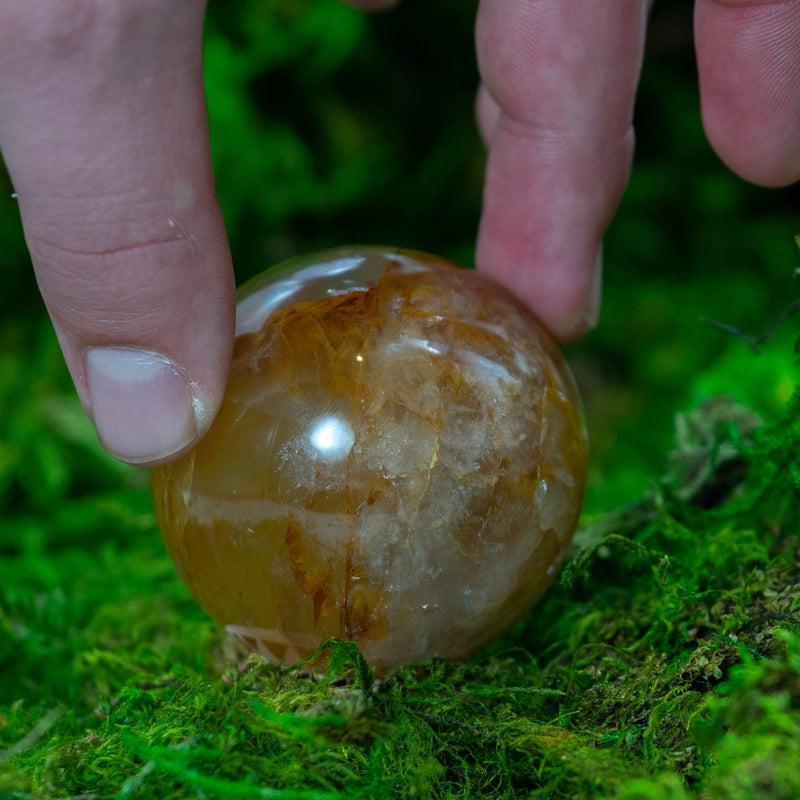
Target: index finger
pixel 563 74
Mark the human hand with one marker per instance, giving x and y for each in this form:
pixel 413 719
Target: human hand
pixel 556 107
pixel 103 129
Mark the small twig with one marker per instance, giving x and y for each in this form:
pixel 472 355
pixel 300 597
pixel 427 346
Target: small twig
pixel 755 343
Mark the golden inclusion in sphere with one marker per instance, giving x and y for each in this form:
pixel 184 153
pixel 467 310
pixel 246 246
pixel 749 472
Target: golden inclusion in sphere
pixel 399 460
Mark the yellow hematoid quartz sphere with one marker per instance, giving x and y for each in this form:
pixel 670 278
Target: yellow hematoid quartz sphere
pixel 399 460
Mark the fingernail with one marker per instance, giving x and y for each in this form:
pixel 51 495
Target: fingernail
pixel 588 312
pixel 142 403
pixel 592 313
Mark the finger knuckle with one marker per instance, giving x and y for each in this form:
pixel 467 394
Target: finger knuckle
pixel 105 287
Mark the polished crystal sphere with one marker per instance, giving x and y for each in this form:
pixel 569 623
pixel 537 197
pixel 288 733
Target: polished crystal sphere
pixel 399 460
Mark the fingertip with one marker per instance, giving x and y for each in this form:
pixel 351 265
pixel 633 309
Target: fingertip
pixel 749 71
pixel 771 165
pixel 563 75
pixel 152 398
pixel 565 296
pixel 144 407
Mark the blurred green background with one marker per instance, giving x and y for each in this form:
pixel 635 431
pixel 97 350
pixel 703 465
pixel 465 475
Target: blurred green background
pixel 329 127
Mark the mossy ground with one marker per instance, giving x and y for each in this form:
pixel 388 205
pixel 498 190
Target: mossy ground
pixel 665 663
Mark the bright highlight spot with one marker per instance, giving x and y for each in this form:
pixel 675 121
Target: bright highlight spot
pixel 332 439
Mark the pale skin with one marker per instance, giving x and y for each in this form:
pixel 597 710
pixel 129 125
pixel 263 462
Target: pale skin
pixel 103 130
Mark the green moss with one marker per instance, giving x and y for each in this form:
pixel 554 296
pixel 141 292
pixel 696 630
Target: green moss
pixel 664 663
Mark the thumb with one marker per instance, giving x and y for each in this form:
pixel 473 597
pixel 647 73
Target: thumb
pixel 103 129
